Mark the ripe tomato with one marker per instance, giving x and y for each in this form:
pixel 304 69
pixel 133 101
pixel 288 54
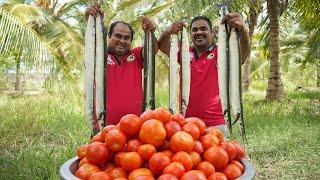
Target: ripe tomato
pixel 115 140
pixel 193 174
pixel 240 150
pixel 216 132
pixel 158 162
pixel 239 164
pixel 139 172
pixel 206 167
pixel 171 127
pixel 133 145
pixel 97 138
pixel 147 115
pixel 196 159
pixel 81 151
pixel 146 151
pixel 117 158
pixel 86 170
pixel 217 156
pixel 198 122
pixel 118 173
pixel 100 175
pixel 232 171
pixel 209 140
pixel 178 118
pixel 152 132
pixel 167 177
pixel 97 153
pixel 192 129
pixel 83 161
pixel 175 168
pixel 181 141
pixel 198 147
pixel 130 125
pixel 183 158
pixel 217 176
pixel 230 148
pixel 131 161
pixel 106 129
pixel 162 114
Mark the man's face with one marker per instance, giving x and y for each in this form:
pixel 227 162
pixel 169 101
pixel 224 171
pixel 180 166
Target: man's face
pixel 120 40
pixel 201 34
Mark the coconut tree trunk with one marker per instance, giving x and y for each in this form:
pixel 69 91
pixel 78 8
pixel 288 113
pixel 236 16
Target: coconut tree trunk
pixel 17 86
pixel 275 89
pixel 255 9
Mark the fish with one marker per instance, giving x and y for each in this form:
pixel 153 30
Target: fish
pixel 94 83
pixel 185 71
pixel 223 68
pixel 148 72
pixel 99 72
pixel 174 76
pixel 235 81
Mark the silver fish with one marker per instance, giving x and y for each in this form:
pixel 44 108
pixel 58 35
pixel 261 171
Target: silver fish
pixel 185 70
pixel 149 72
pixel 235 80
pixel 174 75
pixel 99 72
pixel 223 69
pixel 94 74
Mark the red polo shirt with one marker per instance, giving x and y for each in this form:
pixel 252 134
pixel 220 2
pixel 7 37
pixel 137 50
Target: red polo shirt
pixel 204 101
pixel 124 85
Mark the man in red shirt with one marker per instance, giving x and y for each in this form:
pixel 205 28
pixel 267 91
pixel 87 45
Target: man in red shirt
pixel 124 74
pixel 204 100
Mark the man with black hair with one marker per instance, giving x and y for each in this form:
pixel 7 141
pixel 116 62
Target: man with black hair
pixel 204 100
pixel 124 68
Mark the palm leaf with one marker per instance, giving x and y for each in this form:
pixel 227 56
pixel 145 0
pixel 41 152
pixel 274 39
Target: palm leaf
pixel 150 13
pixel 18 34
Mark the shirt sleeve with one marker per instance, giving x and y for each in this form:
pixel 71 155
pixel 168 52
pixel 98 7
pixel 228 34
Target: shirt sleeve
pixel 137 52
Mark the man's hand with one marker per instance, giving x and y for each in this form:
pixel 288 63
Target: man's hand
pixel 175 27
pixel 148 24
pixel 234 20
pixel 93 10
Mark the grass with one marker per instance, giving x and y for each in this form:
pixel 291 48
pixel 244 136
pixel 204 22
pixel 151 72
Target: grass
pixel 39 133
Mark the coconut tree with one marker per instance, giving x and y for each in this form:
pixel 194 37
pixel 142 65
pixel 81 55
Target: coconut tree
pixel 275 90
pixel 25 29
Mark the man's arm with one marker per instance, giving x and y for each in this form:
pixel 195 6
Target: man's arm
pixel 164 40
pixel 244 44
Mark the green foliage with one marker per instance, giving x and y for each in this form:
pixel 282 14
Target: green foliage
pixel 283 137
pixel 38 133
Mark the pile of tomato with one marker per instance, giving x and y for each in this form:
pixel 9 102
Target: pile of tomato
pixel 159 145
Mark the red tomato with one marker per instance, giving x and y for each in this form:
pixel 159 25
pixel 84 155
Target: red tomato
pixel 86 170
pixel 97 153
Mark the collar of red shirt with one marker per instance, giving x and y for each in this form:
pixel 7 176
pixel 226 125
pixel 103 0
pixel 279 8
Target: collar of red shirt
pixel 210 48
pixel 108 52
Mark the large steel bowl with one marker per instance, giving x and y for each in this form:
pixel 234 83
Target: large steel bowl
pixel 68 169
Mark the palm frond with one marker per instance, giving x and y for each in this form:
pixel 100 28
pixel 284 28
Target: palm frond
pixel 65 8
pixel 150 13
pixel 18 35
